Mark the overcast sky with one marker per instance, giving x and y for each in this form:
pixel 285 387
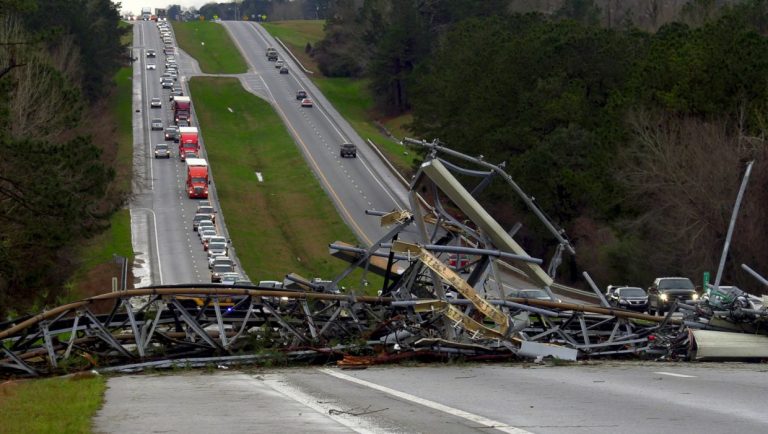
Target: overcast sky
pixel 136 5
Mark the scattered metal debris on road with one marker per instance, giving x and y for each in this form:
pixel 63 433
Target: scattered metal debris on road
pixel 443 297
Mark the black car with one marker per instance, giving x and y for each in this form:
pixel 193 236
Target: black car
pixel 667 290
pixel 301 94
pixel 172 133
pixel 348 150
pixel 627 297
pixel 283 69
pixel 151 53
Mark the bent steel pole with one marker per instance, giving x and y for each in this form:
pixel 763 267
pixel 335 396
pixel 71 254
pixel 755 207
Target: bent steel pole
pixel 755 274
pixel 732 224
pixel 557 233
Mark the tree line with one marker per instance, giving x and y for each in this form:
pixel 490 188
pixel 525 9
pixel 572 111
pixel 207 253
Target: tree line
pixel 633 141
pixel 57 59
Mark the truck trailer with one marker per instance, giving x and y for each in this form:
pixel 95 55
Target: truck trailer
pixel 188 141
pixel 197 178
pixel 182 105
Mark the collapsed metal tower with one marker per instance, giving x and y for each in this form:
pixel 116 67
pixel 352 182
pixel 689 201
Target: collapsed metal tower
pixel 446 294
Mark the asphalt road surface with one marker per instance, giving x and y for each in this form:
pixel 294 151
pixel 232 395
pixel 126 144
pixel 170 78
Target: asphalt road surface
pixel 353 184
pixel 168 251
pixel 606 397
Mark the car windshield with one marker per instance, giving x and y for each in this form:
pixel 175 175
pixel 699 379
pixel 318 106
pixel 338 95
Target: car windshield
pixel 631 292
pixel 534 293
pixel 205 210
pixel 196 180
pixel 201 217
pixel 681 283
pixel 161 147
pixel 222 268
pixel 217 246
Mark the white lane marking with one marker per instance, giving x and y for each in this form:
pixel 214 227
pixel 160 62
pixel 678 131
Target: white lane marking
pixel 386 191
pixel 147 110
pixel 490 423
pixel 356 424
pixel 672 374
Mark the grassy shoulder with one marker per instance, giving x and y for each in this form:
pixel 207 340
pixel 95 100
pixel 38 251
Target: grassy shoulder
pixel 350 97
pixel 60 405
pixel 210 44
pixel 285 223
pixel 95 266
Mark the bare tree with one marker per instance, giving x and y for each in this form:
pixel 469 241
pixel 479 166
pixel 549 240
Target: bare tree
pixel 43 101
pixel 685 173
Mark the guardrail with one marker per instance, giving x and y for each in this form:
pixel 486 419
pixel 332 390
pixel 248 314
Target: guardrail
pixel 290 53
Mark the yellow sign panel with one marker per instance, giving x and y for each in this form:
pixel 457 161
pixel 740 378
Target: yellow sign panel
pixel 481 304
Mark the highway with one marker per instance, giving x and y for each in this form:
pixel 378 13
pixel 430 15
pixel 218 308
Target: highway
pixel 601 397
pixel 353 184
pixel 596 397
pixel 167 250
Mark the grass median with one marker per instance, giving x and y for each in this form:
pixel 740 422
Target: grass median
pixel 52 405
pixel 210 44
pixel 285 223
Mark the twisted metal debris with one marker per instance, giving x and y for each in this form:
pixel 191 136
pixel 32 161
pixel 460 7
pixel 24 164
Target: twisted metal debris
pixel 445 294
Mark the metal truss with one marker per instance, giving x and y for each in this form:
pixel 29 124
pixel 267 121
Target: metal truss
pixel 443 295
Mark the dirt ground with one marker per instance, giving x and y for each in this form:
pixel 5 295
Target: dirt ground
pixel 99 281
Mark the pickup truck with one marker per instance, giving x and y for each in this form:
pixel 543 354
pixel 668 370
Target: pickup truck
pixel 348 150
pixel 665 290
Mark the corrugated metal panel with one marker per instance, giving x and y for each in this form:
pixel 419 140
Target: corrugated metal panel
pixel 711 345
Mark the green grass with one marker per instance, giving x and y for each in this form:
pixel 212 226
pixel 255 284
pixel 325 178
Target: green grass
pixel 123 115
pixel 53 405
pixel 297 33
pixel 210 45
pixel 115 240
pixel 351 97
pixel 285 223
pixel 126 39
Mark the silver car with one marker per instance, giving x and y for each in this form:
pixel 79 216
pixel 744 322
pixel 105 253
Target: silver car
pixel 216 249
pixel 162 151
pixel 204 226
pixel 207 233
pixel 222 260
pixel 157 124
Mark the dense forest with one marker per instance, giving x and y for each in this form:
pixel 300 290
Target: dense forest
pixel 633 140
pixel 57 60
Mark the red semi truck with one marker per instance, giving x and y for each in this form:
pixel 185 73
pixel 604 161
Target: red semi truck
pixel 189 141
pixel 197 178
pixel 181 108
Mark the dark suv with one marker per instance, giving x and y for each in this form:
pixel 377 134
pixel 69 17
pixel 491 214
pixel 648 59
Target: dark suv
pixel 665 290
pixel 348 150
pixel 627 297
